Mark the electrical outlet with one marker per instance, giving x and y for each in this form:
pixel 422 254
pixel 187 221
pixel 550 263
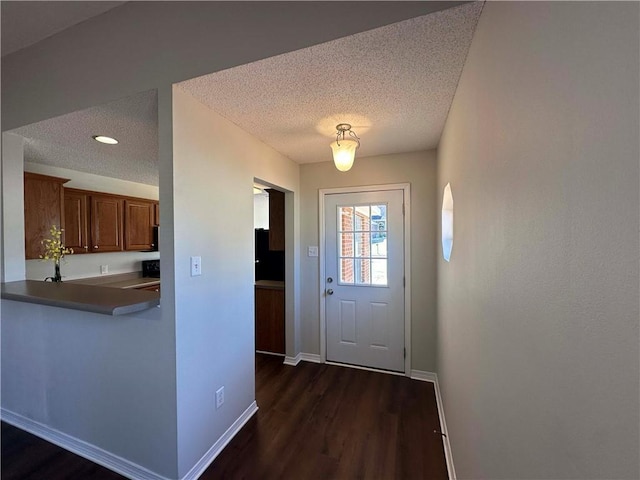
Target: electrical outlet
pixel 219 397
pixel 104 269
pixel 196 266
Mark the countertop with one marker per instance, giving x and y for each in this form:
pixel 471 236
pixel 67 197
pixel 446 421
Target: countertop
pixel 76 296
pixel 274 284
pixel 123 280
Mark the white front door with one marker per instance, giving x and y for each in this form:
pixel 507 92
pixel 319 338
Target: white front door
pixel 364 278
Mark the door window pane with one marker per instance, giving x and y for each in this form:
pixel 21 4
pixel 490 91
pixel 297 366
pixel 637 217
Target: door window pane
pixel 346 245
pixel 345 214
pixel 379 271
pixel 362 272
pixel 346 271
pixel 362 245
pixel 362 218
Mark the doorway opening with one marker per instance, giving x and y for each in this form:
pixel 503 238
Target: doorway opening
pixel 269 246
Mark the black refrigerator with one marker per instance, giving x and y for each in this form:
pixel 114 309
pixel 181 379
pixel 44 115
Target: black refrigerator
pixel 269 264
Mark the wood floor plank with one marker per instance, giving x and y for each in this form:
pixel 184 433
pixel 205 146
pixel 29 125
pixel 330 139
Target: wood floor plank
pixel 315 421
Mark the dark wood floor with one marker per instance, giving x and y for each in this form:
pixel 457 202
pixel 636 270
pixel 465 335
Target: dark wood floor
pixel 27 457
pixel 328 422
pixel 315 422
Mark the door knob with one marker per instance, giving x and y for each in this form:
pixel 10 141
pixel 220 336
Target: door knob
pixel 330 292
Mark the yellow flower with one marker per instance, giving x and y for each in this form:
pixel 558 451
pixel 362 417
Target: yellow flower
pixel 54 249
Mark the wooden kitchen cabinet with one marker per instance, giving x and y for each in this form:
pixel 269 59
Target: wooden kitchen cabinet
pixel 76 220
pixel 139 218
pixel 276 220
pixel 43 200
pixel 269 318
pixel 93 222
pixel 101 222
pixel 106 223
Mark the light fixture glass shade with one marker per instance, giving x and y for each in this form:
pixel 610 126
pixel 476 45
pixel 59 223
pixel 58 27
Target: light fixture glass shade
pixel 447 222
pixel 105 139
pixel 344 153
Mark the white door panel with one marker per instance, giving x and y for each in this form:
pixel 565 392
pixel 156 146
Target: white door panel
pixel 364 285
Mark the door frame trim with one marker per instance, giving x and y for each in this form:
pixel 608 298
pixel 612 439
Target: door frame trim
pixel 406 188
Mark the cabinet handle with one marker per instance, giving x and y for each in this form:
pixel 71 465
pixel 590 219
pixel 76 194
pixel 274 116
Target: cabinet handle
pixel 95 246
pixel 86 247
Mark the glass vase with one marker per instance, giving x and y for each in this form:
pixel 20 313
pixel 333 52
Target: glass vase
pixel 56 276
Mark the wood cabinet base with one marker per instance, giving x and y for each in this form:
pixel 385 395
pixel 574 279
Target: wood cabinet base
pixel 270 320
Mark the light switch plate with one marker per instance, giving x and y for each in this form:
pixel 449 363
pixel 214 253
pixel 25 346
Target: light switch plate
pixel 312 251
pixel 196 266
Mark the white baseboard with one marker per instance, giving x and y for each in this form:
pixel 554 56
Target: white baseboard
pixel 80 447
pixel 118 464
pixel 433 378
pixel 202 464
pixel 270 353
pixel 424 376
pixel 306 357
pixel 310 357
pixel 445 440
pixel 293 361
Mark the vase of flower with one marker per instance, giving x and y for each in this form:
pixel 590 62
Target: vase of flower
pixel 55 250
pixel 56 275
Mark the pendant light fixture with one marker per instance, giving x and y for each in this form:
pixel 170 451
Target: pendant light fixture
pixel 344 148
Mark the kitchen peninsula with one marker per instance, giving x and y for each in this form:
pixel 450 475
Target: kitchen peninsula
pixel 89 298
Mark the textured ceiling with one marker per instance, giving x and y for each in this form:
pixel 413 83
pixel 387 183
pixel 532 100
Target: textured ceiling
pixel 393 84
pixel 66 141
pixel 25 23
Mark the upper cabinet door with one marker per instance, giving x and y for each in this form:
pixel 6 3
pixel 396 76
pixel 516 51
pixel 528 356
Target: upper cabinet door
pixel 106 223
pixel 76 221
pixel 42 209
pixel 139 219
pixel 276 220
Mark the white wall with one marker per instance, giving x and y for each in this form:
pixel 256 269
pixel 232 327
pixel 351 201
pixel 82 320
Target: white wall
pixel 82 266
pixel 101 379
pixel 261 211
pixel 107 381
pixel 538 308
pixel 13 253
pixel 215 163
pixel 419 169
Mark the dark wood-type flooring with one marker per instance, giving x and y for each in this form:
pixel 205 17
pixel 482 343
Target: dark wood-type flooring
pixel 27 457
pixel 314 422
